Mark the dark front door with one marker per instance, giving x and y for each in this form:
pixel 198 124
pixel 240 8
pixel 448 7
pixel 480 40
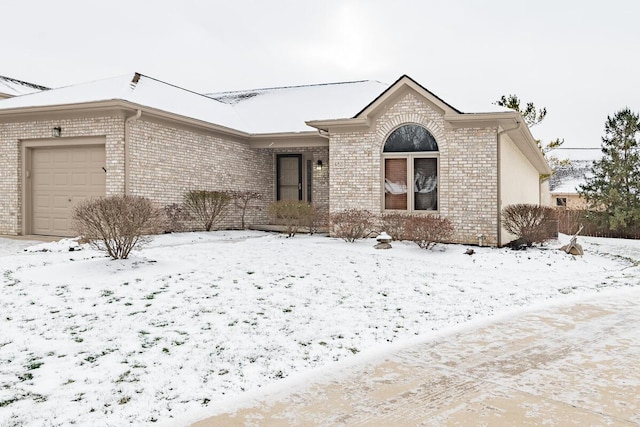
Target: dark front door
pixel 289 170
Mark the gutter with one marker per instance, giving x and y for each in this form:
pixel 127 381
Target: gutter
pixel 499 159
pixel 129 120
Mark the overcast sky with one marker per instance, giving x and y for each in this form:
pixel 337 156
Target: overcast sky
pixel 579 59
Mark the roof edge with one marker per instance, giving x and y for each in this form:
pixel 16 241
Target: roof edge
pixel 232 92
pixel 124 105
pixel 23 83
pixel 394 86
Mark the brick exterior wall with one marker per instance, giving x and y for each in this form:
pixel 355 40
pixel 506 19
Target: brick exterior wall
pixel 165 161
pixel 467 176
pixel 11 137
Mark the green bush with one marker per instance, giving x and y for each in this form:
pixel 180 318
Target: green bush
pixel 207 207
pixel 117 224
pixel 293 214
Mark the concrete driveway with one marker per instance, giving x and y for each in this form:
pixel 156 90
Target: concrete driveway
pixel 577 364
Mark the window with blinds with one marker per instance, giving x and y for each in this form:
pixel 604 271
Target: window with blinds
pixel 410 162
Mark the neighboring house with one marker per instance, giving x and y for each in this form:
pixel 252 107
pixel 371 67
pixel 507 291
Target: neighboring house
pixel 565 182
pixel 362 145
pixel 11 87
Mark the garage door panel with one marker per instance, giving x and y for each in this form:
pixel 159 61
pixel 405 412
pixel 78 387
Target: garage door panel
pixel 79 179
pixel 98 179
pixel 41 222
pixel 98 157
pixel 41 180
pixel 43 160
pixel 60 202
pixel 77 199
pixel 60 156
pixel 42 201
pixel 60 225
pixel 61 178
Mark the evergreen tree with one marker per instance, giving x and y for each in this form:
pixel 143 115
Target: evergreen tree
pixel 532 116
pixel 613 189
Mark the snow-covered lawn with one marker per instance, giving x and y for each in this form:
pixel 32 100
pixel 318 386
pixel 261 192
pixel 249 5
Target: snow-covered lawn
pixel 193 319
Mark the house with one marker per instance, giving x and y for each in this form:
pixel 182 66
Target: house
pixel 363 145
pixel 567 179
pixel 11 87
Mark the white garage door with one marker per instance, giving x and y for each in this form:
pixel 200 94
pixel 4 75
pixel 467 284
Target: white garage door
pixel 60 178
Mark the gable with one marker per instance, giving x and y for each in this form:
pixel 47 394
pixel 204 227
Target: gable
pixel 403 85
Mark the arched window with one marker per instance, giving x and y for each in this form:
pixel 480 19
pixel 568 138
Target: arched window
pixel 410 155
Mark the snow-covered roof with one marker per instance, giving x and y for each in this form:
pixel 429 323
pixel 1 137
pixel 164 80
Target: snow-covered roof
pixel 258 111
pixel 270 110
pixel 286 109
pixel 567 179
pixel 577 154
pixel 14 87
pixel 137 89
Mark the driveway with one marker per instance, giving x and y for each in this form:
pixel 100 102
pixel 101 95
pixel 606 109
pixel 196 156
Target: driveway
pixel 576 364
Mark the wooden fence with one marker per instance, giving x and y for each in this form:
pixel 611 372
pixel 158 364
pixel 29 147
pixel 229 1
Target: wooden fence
pixel 570 220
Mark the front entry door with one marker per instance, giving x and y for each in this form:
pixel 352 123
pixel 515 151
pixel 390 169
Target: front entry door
pixel 289 170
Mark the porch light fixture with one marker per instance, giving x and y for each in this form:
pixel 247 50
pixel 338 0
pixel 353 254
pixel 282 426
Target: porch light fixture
pixel 57 131
pixel 319 165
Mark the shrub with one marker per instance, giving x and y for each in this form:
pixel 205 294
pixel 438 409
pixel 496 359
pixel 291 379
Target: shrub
pixel 427 230
pixel 116 224
pixel 176 215
pixel 243 199
pixel 207 206
pixel 395 225
pixel 317 219
pixel 352 224
pixel 293 214
pixel 530 223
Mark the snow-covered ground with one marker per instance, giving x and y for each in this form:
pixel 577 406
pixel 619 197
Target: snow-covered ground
pixel 195 319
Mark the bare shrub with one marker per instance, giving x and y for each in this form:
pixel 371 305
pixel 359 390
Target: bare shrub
pixel 176 215
pixel 318 218
pixel 293 214
pixel 242 200
pixel 352 224
pixel 116 224
pixel 427 230
pixel 530 223
pixel 206 206
pixel 395 225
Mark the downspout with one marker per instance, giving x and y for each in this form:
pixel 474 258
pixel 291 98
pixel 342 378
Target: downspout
pixel 126 149
pixel 499 159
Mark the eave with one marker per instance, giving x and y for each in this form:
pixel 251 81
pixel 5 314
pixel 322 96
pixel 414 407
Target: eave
pixel 467 120
pixel 111 107
pixel 337 125
pixel 288 140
